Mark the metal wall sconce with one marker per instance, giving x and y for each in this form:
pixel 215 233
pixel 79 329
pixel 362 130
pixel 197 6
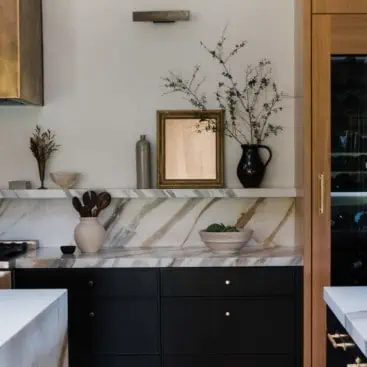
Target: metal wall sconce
pixel 168 16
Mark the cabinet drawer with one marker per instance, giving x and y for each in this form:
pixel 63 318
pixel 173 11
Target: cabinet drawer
pixel 229 361
pixel 225 282
pixel 93 282
pixel 115 361
pixel 114 326
pixel 252 326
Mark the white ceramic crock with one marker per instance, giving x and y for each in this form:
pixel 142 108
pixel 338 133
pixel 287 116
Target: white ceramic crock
pixel 89 235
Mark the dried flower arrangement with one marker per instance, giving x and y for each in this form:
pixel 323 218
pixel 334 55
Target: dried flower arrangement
pixel 43 145
pixel 249 104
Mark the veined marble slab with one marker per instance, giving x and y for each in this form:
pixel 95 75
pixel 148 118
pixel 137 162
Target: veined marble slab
pixel 159 257
pixel 149 223
pixel 349 305
pixel 153 193
pixel 33 328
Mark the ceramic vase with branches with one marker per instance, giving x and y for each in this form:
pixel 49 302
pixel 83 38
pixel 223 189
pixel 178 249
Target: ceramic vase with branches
pixel 249 102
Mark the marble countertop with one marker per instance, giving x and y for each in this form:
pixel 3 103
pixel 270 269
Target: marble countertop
pixel 18 308
pixel 349 304
pixel 158 258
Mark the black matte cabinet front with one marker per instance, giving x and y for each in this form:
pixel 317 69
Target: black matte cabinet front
pixel 115 327
pixel 187 317
pixel 246 326
pixel 228 361
pixel 116 361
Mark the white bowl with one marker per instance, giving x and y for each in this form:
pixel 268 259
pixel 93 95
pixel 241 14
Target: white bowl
pixel 226 242
pixel 66 180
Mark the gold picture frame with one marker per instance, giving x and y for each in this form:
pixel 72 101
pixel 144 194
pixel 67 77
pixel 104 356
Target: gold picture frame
pixel 188 155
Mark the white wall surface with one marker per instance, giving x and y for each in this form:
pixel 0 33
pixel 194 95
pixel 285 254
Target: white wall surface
pixel 103 87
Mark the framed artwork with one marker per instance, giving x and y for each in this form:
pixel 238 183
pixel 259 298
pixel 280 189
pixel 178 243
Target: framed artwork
pixel 190 149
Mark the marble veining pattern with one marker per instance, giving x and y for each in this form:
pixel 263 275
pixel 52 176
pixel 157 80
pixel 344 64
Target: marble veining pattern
pixel 159 257
pixel 150 223
pixel 152 193
pixel 33 328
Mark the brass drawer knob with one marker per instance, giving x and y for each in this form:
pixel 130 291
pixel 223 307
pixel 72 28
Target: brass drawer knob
pixel 91 314
pixel 91 283
pixel 336 344
pixel 228 314
pixel 227 282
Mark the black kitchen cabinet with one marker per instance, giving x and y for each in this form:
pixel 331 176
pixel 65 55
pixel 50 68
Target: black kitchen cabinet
pixel 236 326
pixel 227 282
pixel 117 361
pixel 115 327
pixel 229 361
pixel 338 357
pixel 185 317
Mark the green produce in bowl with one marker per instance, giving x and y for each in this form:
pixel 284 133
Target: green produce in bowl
pixel 221 228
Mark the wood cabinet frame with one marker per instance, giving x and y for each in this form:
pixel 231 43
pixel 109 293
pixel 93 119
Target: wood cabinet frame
pixel 322 36
pixel 339 6
pixel 303 11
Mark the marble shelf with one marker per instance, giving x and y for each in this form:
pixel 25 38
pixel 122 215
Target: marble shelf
pixel 154 193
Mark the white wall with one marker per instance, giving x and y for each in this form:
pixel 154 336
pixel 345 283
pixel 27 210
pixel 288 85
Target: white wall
pixel 102 82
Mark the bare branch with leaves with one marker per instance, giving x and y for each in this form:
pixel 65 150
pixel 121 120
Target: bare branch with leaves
pixel 249 103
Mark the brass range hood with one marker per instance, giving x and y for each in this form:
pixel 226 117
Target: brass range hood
pixel 21 67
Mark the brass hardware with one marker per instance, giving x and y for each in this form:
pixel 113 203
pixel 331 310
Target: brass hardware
pixel 91 314
pixel 322 193
pixel 228 282
pixel 167 16
pixel 91 283
pixel 228 314
pixel 357 364
pixel 344 345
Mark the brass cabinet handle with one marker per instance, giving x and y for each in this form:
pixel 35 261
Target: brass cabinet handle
pixel 322 193
pixel 357 364
pixel 333 340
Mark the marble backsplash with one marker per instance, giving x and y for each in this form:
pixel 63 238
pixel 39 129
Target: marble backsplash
pixel 156 222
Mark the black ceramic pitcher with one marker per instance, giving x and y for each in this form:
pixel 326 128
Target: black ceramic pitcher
pixel 251 169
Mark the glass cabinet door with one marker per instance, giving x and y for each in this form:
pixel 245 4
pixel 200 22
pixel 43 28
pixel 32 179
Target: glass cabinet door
pixel 348 133
pixel 339 169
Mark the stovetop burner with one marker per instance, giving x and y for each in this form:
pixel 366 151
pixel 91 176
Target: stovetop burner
pixel 11 249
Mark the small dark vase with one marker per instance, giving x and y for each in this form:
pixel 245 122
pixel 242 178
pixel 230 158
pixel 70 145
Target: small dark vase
pixel 251 168
pixel 41 171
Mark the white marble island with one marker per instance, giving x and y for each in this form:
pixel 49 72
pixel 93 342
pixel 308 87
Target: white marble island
pixel 33 328
pixel 349 305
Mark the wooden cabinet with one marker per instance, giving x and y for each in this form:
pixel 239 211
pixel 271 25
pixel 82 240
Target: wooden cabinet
pixel 339 6
pixel 339 149
pixel 216 317
pixel 5 279
pixel 21 66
